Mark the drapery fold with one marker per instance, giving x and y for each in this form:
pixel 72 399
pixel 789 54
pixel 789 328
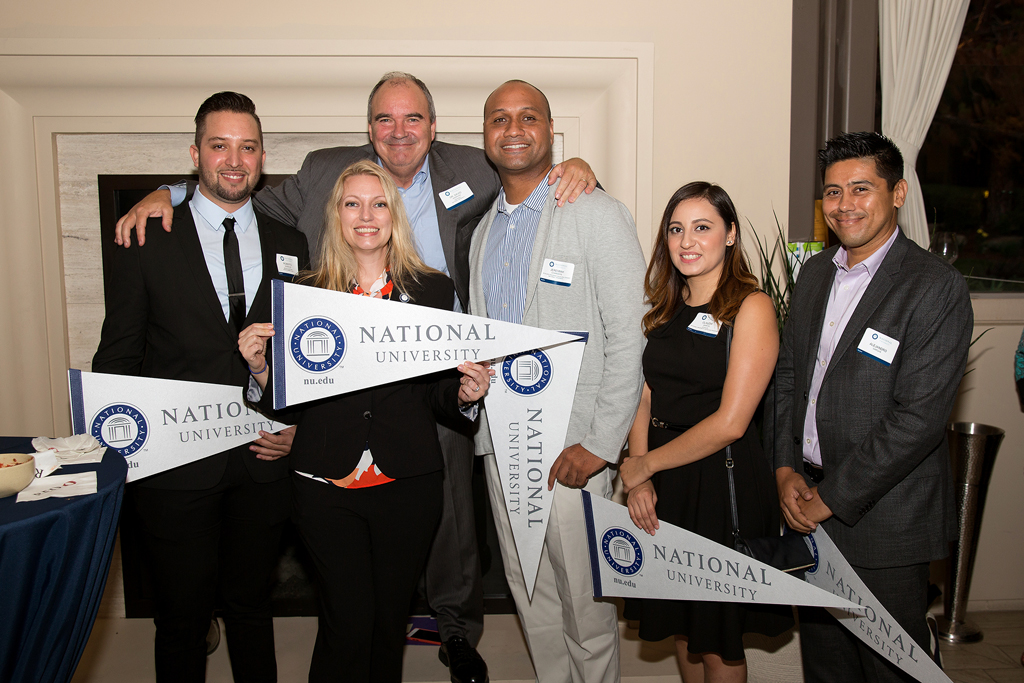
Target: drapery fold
pixel 917 43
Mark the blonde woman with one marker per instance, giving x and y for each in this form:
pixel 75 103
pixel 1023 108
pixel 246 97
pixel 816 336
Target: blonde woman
pixel 367 465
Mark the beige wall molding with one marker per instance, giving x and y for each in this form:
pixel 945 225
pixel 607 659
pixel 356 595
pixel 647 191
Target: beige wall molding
pixel 601 94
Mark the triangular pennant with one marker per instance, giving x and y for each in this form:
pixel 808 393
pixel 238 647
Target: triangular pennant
pixel 676 564
pixel 160 424
pixel 875 626
pixel 329 343
pixel 528 409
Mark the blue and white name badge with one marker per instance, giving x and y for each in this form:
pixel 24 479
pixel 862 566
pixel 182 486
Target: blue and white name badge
pixel 454 196
pixel 705 325
pixel 557 272
pixel 878 346
pixel 287 264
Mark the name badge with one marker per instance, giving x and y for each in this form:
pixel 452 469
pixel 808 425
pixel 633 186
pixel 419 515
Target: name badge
pixel 287 265
pixel 878 346
pixel 705 325
pixel 557 273
pixel 454 196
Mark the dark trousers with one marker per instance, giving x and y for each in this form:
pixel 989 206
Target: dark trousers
pixel 368 548
pixel 224 539
pixel 452 582
pixel 831 654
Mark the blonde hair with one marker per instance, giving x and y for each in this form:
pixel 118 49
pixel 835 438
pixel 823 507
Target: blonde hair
pixel 337 269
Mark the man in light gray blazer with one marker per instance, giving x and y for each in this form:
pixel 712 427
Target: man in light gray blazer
pixel 402 124
pixel 869 365
pixel 571 636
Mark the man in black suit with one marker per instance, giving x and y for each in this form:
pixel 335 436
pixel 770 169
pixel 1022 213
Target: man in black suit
pixel 869 365
pixel 212 526
pixel 446 190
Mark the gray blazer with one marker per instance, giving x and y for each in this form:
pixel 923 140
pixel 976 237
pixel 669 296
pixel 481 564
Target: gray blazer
pixel 301 200
pixel 606 299
pixel 881 428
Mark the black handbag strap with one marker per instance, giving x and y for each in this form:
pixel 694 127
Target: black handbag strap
pixel 728 453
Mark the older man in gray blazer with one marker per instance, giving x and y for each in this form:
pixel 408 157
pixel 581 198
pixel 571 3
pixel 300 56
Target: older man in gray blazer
pixel 571 636
pixel 870 361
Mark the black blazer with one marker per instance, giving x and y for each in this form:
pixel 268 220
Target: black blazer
pixel 397 420
pixel 163 319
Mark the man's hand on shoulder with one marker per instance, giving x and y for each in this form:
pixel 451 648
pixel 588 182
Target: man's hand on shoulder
pixel 156 203
pixel 273 446
pixel 574 177
pixel 573 467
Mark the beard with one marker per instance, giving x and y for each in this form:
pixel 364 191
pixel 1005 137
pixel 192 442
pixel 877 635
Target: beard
pixel 229 193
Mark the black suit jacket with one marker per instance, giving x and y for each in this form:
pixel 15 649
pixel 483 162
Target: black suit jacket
pixel 397 420
pixel 301 199
pixel 881 428
pixel 163 319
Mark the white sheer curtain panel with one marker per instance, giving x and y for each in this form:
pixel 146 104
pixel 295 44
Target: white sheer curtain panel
pixel 917 40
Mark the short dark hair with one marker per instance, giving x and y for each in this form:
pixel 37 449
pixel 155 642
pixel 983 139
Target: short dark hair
pixel 225 101
pixel 400 77
pixel 867 145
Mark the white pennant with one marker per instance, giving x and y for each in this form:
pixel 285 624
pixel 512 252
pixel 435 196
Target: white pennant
pixel 160 424
pixel 876 627
pixel 528 409
pixel 329 343
pixel 676 564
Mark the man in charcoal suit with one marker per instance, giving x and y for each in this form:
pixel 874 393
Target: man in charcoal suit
pixel 869 365
pixel 446 189
pixel 174 311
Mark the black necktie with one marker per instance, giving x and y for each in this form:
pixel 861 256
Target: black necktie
pixel 233 266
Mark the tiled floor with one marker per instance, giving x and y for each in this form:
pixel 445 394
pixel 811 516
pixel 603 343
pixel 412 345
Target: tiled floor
pixel 121 650
pixel 996 658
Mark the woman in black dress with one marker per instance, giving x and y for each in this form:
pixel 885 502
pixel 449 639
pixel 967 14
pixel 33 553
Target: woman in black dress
pixel 367 467
pixel 698 282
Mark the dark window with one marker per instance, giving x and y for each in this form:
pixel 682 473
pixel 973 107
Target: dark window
pixel 970 165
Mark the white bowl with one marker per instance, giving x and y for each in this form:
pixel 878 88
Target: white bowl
pixel 16 472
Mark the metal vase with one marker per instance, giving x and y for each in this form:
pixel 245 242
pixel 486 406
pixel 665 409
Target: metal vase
pixel 972 447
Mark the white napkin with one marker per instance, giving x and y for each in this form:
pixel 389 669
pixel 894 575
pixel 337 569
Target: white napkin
pixel 80 449
pixel 63 486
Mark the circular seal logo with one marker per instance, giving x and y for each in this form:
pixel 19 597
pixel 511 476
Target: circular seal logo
pixel 622 551
pixel 814 553
pixel 317 344
pixel 122 427
pixel 526 373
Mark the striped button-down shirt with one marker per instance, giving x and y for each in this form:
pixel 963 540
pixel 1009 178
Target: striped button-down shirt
pixel 507 254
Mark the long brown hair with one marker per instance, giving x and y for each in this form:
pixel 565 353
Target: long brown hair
pixel 337 269
pixel 665 287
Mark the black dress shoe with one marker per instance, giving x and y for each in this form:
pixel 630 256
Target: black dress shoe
pixel 464 663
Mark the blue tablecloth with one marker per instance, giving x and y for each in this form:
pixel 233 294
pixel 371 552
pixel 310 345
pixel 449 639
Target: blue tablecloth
pixel 54 558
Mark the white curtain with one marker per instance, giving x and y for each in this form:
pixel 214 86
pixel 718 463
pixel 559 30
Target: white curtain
pixel 917 41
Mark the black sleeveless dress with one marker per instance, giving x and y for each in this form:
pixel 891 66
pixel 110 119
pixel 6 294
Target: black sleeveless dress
pixel 685 372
